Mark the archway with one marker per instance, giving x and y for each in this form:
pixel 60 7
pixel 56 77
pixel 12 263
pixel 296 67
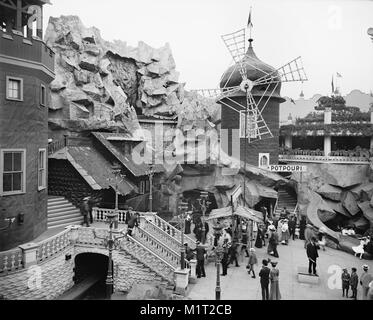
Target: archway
pixel 90 276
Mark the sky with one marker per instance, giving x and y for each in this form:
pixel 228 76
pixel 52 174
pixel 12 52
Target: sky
pixel 330 36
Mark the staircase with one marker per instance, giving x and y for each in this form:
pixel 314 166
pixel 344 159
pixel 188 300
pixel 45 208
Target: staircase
pixel 285 199
pixel 62 213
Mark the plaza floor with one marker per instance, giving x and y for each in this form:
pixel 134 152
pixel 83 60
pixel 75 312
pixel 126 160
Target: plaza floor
pixel 238 284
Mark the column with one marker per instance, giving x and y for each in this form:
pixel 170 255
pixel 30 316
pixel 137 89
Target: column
pixel 39 31
pixel 327 139
pixel 29 254
pixel 371 121
pixel 289 142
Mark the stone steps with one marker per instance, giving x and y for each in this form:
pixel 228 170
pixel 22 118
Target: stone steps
pixel 62 213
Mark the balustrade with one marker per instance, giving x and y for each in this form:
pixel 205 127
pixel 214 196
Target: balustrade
pixel 11 261
pixel 53 245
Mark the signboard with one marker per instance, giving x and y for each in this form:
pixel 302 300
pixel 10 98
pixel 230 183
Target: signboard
pixel 287 168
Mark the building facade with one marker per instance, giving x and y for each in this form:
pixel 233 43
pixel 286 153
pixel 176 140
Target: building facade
pixel 26 70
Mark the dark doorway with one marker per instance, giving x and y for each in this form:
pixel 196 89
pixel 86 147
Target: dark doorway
pixel 90 276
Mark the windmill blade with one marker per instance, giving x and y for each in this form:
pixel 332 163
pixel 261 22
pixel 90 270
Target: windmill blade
pixel 292 71
pixel 268 97
pixel 217 94
pixel 235 43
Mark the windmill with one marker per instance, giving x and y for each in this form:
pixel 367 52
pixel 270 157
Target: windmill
pixel 255 126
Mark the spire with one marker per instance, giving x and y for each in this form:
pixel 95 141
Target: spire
pixel 250 25
pixel 301 94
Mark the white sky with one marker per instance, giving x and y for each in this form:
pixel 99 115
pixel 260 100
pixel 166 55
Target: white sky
pixel 331 36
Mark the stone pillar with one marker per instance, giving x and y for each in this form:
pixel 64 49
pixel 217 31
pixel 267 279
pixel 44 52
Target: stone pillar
pixel 327 139
pixel 289 142
pixel 193 276
pixel 29 254
pixel 290 119
pixel 182 280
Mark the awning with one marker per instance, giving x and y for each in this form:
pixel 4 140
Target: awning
pixel 241 211
pixel 97 171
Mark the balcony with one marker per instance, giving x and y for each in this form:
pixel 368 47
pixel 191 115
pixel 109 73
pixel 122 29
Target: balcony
pixel 357 156
pixel 33 49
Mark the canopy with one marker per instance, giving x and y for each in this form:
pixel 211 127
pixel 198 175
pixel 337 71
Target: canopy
pixel 241 211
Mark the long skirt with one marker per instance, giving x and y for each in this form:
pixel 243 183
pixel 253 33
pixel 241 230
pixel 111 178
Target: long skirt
pixel 270 248
pixel 274 291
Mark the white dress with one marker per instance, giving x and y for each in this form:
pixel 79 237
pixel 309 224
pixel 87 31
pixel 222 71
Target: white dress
pixel 360 248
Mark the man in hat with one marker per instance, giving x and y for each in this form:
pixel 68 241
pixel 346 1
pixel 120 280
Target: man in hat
pixel 308 234
pixel 345 282
pixel 132 223
pixel 312 255
pixel 200 253
pixel 189 254
pixel 85 210
pixel 264 279
pixel 354 281
pixel 365 279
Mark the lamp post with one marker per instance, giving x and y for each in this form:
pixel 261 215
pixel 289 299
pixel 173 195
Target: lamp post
pixel 119 177
pixel 150 172
pixel 218 255
pixel 183 206
pixel 204 205
pixel 110 242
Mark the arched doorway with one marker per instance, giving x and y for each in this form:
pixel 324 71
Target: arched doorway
pixel 90 274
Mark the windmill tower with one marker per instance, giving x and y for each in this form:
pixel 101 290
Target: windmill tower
pixel 250 96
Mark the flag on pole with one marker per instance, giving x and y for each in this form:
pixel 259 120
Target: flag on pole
pixel 339 75
pixel 249 23
pixel 332 84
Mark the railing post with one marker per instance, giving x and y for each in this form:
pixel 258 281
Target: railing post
pixel 193 276
pixel 29 254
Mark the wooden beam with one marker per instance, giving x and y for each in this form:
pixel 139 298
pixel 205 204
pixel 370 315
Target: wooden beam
pixel 6 4
pixel 19 15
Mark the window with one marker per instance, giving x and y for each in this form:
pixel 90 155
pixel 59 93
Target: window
pixel 13 170
pixel 42 172
pixel 14 88
pixel 252 125
pixel 263 160
pixel 43 95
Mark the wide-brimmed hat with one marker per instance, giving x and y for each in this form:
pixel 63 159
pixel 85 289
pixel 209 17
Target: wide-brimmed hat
pixel 274 263
pixel 252 250
pixel 365 267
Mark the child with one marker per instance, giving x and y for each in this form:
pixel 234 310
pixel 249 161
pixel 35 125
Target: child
pixel 251 261
pixel 345 282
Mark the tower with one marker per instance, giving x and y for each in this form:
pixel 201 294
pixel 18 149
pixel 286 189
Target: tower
pixel 26 70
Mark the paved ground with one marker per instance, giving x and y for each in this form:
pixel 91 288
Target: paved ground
pixel 238 285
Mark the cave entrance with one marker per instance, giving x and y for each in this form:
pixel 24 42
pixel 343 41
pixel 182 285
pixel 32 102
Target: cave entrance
pixel 191 196
pixel 268 203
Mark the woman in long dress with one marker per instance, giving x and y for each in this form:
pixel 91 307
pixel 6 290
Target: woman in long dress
pixel 274 291
pixel 360 248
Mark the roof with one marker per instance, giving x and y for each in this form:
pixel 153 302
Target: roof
pixel 95 169
pixel 120 137
pixel 137 170
pixel 241 211
pixel 255 69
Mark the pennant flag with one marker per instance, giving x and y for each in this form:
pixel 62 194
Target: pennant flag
pixel 332 84
pixel 292 101
pixel 339 75
pixel 249 23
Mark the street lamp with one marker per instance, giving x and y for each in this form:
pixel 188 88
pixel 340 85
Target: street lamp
pixel 110 242
pixel 150 172
pixel 9 220
pixel 218 257
pixel 204 205
pixel 119 177
pixel 183 207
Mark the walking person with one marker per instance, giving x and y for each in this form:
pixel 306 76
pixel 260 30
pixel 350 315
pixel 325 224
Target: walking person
pixel 273 242
pixel 354 281
pixel 285 232
pixel 292 225
pixel 251 262
pixel 365 279
pixel 132 223
pixel 345 282
pixel 225 260
pixel 233 253
pixel 264 279
pixel 188 223
pixel 312 255
pixel 244 241
pixel 84 209
pixel 200 255
pixel 274 278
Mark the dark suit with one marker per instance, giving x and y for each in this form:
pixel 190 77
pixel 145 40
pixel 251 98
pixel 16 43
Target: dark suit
pixel 200 269
pixel 312 255
pixel 264 282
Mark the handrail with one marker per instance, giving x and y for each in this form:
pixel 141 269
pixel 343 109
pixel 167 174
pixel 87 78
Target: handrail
pixel 56 146
pixel 275 207
pixel 11 260
pixel 159 221
pixel 336 159
pixel 44 249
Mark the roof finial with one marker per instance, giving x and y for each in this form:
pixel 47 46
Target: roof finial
pixel 250 26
